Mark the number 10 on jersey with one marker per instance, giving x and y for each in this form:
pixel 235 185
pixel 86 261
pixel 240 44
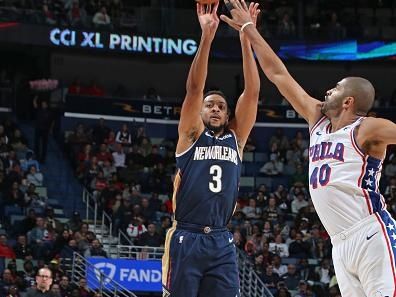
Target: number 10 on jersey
pixel 320 175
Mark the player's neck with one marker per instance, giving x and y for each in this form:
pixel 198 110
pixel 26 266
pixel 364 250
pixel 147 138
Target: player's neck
pixel 342 120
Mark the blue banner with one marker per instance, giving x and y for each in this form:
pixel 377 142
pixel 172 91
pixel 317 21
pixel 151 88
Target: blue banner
pixel 134 275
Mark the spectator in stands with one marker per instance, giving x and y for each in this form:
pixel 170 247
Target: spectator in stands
pixel 290 278
pixel 29 222
pixel 5 250
pixel 7 280
pixel 35 177
pixel 279 248
pixel 48 15
pixel 55 290
pixel 18 142
pixel 96 250
pixel 281 140
pixel 123 136
pixel 75 222
pixel 119 156
pixel 272 212
pixel 44 123
pixel 64 286
pixel 52 221
pixel 150 237
pixel 335 30
pixel 103 155
pixel 154 157
pixel 151 95
pixel 298 201
pixel 68 250
pixel 251 211
pixel 390 169
pixel 270 278
pixel 277 265
pixel 30 161
pixel 14 196
pixel 75 88
pixel 299 248
pixel 61 241
pixel 22 249
pixel 83 288
pixel 136 228
pixel 76 15
pixel 43 283
pixel 273 167
pixel 282 292
pixel 286 28
pixel 101 19
pixel 302 289
pixel 108 169
pixel 165 224
pixel 147 211
pixel 100 132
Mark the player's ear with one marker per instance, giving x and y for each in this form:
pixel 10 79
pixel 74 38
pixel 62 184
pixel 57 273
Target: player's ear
pixel 349 101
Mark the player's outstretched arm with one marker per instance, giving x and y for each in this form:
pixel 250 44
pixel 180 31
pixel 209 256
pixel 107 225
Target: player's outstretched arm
pixel 375 134
pixel 246 108
pixel 273 67
pixel 190 125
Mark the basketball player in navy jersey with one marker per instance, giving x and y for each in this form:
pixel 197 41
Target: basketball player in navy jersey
pixel 346 154
pixel 200 257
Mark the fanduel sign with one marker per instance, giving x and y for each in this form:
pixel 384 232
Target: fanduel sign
pixel 134 275
pixel 122 42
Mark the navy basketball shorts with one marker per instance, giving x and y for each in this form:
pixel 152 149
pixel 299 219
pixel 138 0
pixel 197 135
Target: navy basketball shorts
pixel 199 261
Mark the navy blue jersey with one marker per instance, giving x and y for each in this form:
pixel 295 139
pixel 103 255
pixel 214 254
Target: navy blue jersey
pixel 206 185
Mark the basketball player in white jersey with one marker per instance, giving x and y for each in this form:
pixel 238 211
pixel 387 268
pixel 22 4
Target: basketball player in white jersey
pixel 346 154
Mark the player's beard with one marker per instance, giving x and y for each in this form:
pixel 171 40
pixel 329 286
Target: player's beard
pixel 215 129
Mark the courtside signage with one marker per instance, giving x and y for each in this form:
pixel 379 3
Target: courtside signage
pixel 133 275
pixel 122 42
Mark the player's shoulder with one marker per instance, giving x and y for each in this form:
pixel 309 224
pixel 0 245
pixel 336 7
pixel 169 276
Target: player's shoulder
pixel 371 123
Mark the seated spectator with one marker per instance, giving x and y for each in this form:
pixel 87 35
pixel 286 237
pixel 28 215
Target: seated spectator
pixel 123 136
pixel 286 28
pixel 34 176
pixel 104 154
pixel 278 267
pixel 22 249
pixel 101 19
pixel 18 142
pixel 52 221
pixel 30 161
pixel 96 250
pixel 136 228
pixel 279 248
pixel 150 237
pixel 65 286
pixel 154 157
pixel 299 248
pixel 100 132
pixel 108 169
pixel 68 251
pixel 119 156
pixel 61 241
pixel 75 88
pixel 273 167
pixel 76 15
pixel 7 280
pixel 5 250
pixel 272 212
pixel 151 95
pixel 291 278
pixel 14 196
pixel 270 278
pixel 251 211
pixel 298 202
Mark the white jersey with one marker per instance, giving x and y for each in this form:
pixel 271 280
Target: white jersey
pixel 343 181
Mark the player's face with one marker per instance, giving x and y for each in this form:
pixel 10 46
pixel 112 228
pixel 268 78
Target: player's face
pixel 215 113
pixel 334 99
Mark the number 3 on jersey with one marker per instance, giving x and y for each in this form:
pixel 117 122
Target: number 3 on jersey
pixel 215 184
pixel 321 175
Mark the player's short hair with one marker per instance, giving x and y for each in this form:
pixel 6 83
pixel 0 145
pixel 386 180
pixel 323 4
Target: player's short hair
pixel 363 91
pixel 219 93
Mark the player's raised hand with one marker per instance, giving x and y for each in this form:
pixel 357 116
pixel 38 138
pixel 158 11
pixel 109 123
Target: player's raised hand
pixel 208 19
pixel 240 13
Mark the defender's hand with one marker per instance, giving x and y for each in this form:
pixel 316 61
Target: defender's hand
pixel 208 19
pixel 240 14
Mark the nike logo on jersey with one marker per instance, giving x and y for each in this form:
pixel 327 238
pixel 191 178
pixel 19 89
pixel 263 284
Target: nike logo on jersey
pixel 230 240
pixel 319 133
pixel 369 237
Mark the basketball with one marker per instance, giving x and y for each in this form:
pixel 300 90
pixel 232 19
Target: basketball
pixel 207 1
